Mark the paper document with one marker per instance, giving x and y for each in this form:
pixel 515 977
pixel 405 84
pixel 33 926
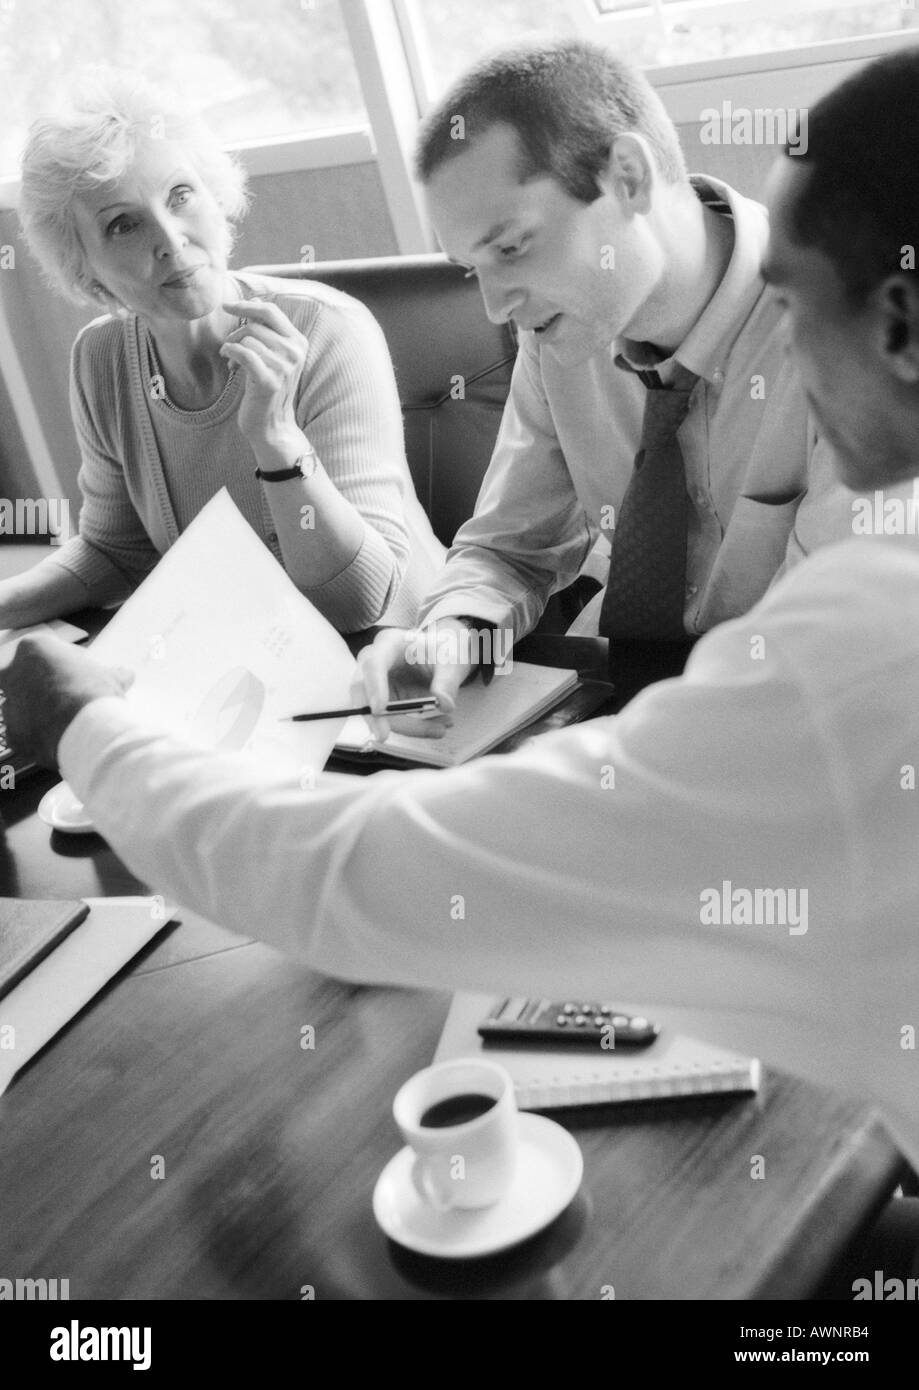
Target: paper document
pixel 56 989
pixel 222 643
pixel 10 636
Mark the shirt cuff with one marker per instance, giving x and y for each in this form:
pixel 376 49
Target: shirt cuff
pixel 88 735
pixel 473 608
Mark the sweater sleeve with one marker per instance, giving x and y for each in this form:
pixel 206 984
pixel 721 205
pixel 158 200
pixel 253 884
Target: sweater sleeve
pixel 113 552
pixel 348 408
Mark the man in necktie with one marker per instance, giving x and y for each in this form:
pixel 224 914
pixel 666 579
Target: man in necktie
pixel 568 197
pixel 642 609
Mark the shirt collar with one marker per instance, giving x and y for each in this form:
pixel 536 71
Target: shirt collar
pixel 708 343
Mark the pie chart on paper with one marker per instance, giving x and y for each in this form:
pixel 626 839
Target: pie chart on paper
pixel 229 713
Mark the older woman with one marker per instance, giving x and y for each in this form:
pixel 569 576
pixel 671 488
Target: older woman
pixel 199 377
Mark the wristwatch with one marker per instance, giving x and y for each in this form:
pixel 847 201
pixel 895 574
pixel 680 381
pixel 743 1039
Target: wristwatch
pixel 485 667
pixel 305 467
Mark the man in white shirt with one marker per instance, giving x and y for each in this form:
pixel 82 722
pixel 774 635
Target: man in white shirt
pixel 557 177
pixel 740 841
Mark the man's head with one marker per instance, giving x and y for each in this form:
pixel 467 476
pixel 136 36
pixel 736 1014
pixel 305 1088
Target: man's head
pixel 842 258
pixel 543 169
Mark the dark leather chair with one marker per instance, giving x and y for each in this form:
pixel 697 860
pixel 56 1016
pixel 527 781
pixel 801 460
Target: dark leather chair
pixel 453 369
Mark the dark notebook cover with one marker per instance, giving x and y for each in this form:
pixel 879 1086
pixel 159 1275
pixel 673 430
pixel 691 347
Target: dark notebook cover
pixel 30 929
pixel 587 700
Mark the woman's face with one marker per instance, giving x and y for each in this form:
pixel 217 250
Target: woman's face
pixel 156 239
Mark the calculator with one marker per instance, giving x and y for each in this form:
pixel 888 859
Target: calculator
pixel 569 1023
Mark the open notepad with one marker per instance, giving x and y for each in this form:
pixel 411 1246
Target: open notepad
pixel 485 716
pixel 59 956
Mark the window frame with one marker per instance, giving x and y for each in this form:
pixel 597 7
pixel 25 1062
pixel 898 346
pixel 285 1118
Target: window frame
pixel 388 47
pixel 625 23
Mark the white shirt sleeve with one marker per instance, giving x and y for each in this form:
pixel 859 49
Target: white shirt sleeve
pixel 588 862
pixel 530 534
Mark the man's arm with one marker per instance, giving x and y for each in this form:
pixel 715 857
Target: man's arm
pixel 576 865
pixel 529 535
pixel 599 858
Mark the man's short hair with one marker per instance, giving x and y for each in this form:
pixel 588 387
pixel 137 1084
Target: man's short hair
pixel 860 205
pixel 567 103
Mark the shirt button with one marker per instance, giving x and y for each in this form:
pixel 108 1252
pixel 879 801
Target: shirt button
pixel 691 590
pixel 701 498
pixel 272 537
pixel 718 377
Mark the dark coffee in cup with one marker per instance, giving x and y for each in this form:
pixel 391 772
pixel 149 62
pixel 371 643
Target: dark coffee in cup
pixel 456 1110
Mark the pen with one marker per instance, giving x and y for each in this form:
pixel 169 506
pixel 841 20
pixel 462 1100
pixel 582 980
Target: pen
pixel 427 704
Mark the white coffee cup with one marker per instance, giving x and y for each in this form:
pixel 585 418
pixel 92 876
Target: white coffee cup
pixel 460 1118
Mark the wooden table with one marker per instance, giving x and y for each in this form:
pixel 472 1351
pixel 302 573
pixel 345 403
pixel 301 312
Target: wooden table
pixel 270 1152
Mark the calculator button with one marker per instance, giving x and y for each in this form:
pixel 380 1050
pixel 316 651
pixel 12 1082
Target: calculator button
pixel 587 1008
pixel 580 1020
pixel 569 1009
pixel 640 1024
pixel 599 1021
pixel 562 1020
pixel 620 1021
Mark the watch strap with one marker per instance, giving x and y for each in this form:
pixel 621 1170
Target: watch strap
pixel 296 470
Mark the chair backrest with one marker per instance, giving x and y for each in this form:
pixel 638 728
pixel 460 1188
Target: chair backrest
pixel 453 369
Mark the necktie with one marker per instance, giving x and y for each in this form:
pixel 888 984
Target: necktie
pixel 645 592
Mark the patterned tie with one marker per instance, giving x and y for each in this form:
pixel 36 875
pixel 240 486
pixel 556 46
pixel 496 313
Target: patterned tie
pixel 646 590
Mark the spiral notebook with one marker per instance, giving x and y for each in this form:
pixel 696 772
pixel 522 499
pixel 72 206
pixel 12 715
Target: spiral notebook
pixel 485 716
pixel 547 1078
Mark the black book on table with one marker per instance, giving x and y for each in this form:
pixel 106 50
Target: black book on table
pixel 30 928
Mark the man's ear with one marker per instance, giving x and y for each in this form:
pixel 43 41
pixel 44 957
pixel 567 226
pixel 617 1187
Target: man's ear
pixel 897 316
pixel 630 173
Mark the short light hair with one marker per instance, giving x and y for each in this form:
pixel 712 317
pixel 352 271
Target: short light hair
pixel 91 141
pixel 567 102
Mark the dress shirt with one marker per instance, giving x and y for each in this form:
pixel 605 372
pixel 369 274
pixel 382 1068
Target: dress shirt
pixel 584 863
pixel 567 444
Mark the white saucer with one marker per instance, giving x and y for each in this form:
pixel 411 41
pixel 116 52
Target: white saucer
pixel 549 1170
pixel 60 809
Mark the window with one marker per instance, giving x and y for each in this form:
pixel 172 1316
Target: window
pixel 661 33
pixel 451 37
pixel 255 68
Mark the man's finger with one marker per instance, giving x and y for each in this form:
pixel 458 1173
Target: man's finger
pixel 377 662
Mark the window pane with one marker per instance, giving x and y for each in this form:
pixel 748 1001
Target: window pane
pixel 255 68
pixel 683 41
pixel 454 36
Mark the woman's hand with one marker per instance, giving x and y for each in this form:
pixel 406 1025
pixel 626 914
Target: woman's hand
pixel 272 353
